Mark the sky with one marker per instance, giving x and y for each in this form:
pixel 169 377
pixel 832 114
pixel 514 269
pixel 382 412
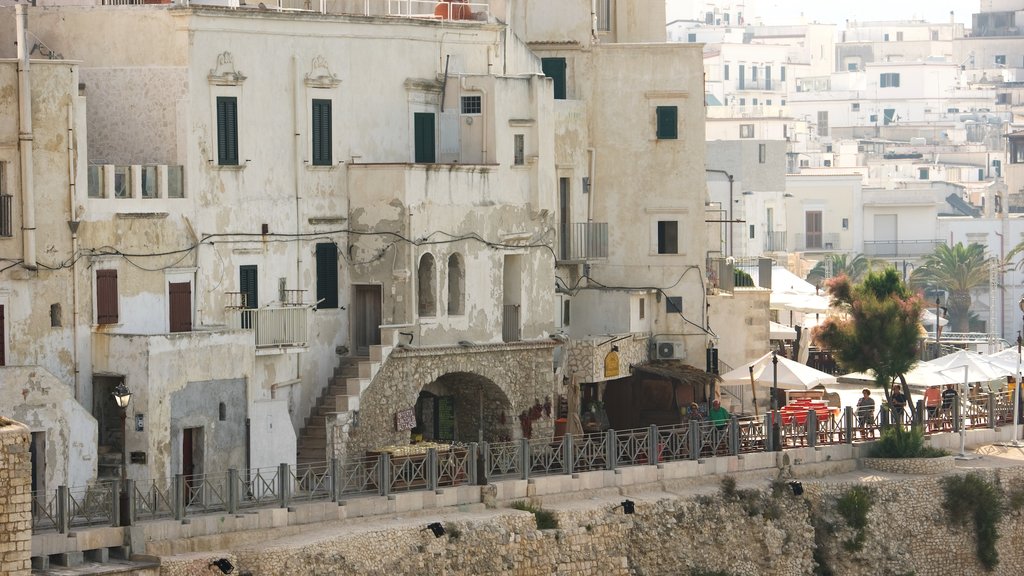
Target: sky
pixel 838 11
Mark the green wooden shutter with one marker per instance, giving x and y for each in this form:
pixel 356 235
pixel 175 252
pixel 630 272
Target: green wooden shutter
pixel 668 123
pixel 423 124
pixel 248 285
pixel 322 133
pixel 554 68
pixel 227 131
pixel 327 275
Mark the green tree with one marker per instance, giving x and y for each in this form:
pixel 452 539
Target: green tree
pixel 957 270
pixel 880 330
pixel 838 264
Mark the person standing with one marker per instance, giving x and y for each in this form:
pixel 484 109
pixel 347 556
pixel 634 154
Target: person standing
pixel 718 415
pixel 866 414
pixel 947 404
pixel 897 403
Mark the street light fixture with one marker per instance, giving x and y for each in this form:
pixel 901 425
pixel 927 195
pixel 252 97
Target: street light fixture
pixel 122 396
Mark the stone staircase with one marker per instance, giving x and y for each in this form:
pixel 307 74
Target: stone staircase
pixel 351 377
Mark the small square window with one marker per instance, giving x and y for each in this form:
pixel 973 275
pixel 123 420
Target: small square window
pixel 674 304
pixel 472 104
pixel 855 106
pixel 746 130
pixel 1000 59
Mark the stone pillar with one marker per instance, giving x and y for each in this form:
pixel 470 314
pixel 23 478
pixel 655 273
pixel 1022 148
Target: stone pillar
pixel 15 499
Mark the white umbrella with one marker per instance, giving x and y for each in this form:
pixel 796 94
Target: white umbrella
pixel 781 331
pixel 979 369
pixel 792 374
pixel 806 303
pixel 1007 359
pixel 921 376
pixel 928 318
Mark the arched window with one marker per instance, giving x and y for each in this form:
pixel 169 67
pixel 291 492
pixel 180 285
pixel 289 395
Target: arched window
pixel 426 290
pixel 456 286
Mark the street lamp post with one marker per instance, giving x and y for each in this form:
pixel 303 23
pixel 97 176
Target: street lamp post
pixel 1016 386
pixel 776 425
pixel 122 396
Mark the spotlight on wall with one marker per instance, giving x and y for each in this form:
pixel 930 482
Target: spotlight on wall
pixel 797 487
pixel 436 528
pixel 628 507
pixel 224 565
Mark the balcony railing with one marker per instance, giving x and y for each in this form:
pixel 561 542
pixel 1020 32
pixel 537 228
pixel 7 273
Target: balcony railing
pixel 900 247
pixel 511 330
pixel 583 241
pixel 404 8
pixel 762 85
pixel 818 242
pixel 284 327
pixel 775 242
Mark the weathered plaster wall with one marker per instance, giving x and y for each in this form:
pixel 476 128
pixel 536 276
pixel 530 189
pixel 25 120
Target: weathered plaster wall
pixel 15 499
pixel 741 321
pixel 197 405
pixel 266 431
pixel 517 375
pixel 32 395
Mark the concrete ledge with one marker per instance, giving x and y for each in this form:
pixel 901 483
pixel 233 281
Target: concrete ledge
pixel 911 465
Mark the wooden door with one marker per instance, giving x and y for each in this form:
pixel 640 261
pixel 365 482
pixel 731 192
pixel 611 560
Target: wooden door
pixel 366 319
pixel 180 304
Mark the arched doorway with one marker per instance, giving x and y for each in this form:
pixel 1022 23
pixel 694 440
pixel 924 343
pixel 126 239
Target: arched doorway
pixel 463 407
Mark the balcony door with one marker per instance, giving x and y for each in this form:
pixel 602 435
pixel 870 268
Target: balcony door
pixel 813 229
pixel 248 285
pixel 366 318
pixel 886 234
pixel 565 216
pixel 425 137
pixel 180 306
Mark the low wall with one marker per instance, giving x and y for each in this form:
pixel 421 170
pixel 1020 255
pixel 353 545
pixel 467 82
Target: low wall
pixel 911 465
pixel 15 499
pixel 751 532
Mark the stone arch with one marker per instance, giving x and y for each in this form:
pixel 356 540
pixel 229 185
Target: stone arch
pixel 456 285
pixel 426 287
pixel 463 407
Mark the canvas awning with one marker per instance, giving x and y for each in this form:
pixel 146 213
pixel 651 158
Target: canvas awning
pixel 677 371
pixel 778 331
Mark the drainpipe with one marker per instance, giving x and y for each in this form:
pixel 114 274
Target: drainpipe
pixel 28 205
pixel 298 199
pixel 73 226
pixel 592 152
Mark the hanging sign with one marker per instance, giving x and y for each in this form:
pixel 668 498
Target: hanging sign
pixel 405 419
pixel 611 364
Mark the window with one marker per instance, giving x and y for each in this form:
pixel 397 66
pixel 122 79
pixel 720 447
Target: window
pixel 456 286
pixel 812 229
pixel 565 313
pixel 782 73
pixel 899 36
pixel 935 34
pixel 743 101
pixel 668 128
pixel 889 115
pixel 1003 98
pixel 427 299
pixel 674 304
pixel 554 68
pixel 997 167
pixel 55 316
pixel 753 73
pixel 96 181
pixel 754 101
pixel 725 72
pixel 322 153
pixel 175 184
pixel 922 173
pixel 518 153
pixel 668 237
pixel 768 102
pixel 691 37
pixel 149 182
pixel 767 77
pixel 746 130
pixel 472 104
pixel 424 138
pixel 122 182
pixel 952 110
pixel 889 80
pixel 762 153
pixel 6 208
pixel 851 67
pixel 741 79
pixel 855 106
pixel 106 296
pixel 885 37
pixel 1000 59
pixel 604 15
pixel 873 118
pixel 823 123
pixel 846 223
pixel 327 275
pixel 751 231
pixel 643 306
pixel 227 131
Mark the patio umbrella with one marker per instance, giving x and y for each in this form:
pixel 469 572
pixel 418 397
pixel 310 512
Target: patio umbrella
pixel 792 374
pixel 781 331
pixel 921 376
pixel 979 369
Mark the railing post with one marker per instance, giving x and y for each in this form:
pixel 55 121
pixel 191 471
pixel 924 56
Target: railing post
pixel 694 432
pixel 384 474
pixel 284 484
pixel 653 451
pixel 848 423
pixel 992 411
pixel 812 428
pixel 611 449
pixel 178 486
pixel 568 454
pixel 734 436
pixel 232 491
pixel 431 469
pixel 128 501
pixel 769 436
pixel 485 455
pixel 524 458
pixel 115 504
pixel 957 420
pixel 63 509
pixel 919 413
pixel 883 418
pixel 473 463
pixel 776 431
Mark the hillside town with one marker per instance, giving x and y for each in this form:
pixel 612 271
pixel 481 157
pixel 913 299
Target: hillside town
pixel 397 245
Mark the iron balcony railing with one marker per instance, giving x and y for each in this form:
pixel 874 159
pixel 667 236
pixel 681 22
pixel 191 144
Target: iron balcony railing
pixel 583 241
pixel 511 329
pixel 403 8
pixel 775 241
pixel 900 247
pixel 823 242
pixel 273 327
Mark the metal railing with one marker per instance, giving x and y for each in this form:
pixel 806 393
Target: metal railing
pixel 900 247
pixel 402 8
pixel 511 329
pixel 384 474
pixel 775 241
pixel 817 242
pixel 273 327
pixel 583 241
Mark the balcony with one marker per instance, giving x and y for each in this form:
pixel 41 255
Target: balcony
pixel 891 248
pixel 583 241
pixel 821 242
pixel 775 242
pixel 275 329
pixel 511 327
pixel 761 85
pixel 427 9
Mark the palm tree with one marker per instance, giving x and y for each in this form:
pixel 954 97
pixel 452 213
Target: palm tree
pixel 838 264
pixel 957 270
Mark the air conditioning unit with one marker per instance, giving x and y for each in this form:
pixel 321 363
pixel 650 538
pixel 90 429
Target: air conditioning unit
pixel 665 350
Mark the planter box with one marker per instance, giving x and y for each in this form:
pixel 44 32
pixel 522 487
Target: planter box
pixel 911 465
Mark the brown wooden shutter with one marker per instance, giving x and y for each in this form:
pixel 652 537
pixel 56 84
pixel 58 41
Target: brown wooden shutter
pixel 106 297
pixel 180 306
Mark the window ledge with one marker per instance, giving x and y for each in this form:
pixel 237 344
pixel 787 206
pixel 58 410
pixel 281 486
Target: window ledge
pixel 323 168
pixel 228 167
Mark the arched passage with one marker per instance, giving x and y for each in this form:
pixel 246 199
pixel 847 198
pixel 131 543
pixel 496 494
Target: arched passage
pixel 463 407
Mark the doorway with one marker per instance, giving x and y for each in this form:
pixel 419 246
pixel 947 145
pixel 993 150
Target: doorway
pixel 366 319
pixel 191 460
pixel 38 451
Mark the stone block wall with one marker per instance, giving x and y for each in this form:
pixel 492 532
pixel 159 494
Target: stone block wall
pixel 15 499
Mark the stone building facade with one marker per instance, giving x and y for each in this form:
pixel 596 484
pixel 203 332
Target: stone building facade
pixel 15 499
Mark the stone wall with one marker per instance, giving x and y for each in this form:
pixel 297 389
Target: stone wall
pixel 15 499
pixel 753 531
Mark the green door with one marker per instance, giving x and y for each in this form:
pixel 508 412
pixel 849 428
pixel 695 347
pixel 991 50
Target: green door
pixel 423 123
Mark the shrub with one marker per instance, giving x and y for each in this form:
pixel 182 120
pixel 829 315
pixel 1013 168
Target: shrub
pixel 899 443
pixel 545 518
pixel 971 496
pixel 728 488
pixel 854 507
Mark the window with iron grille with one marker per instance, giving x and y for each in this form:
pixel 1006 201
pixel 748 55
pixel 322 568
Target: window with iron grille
pixel 472 104
pixel 519 152
pixel 6 207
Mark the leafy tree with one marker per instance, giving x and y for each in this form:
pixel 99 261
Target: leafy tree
pixel 880 330
pixel 852 266
pixel 957 270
